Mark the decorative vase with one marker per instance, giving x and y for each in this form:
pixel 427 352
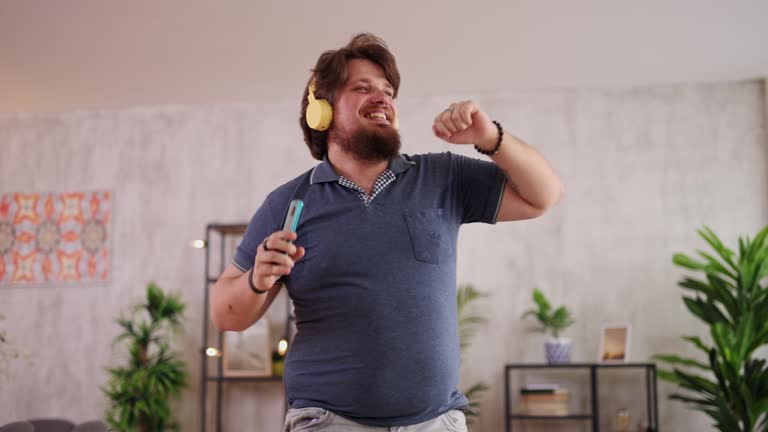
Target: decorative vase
pixel 558 350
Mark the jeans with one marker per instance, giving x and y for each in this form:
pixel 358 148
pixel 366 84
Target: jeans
pixel 322 420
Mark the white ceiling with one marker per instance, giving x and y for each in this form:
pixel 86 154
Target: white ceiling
pixel 81 54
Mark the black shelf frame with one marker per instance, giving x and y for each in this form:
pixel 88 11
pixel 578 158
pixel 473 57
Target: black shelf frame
pixel 244 379
pixel 594 415
pixel 543 417
pixel 218 379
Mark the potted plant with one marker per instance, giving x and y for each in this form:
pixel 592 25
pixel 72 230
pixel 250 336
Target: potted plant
pixel 140 392
pixel 552 321
pixel 731 383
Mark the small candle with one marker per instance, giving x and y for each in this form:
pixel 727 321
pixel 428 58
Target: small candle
pixel 278 358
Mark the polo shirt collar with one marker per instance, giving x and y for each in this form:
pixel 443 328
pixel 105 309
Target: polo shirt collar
pixel 399 164
pixel 324 172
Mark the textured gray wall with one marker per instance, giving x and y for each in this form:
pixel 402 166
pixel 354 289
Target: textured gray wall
pixel 642 168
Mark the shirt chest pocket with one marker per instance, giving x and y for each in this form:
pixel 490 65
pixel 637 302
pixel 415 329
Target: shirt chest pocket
pixel 427 231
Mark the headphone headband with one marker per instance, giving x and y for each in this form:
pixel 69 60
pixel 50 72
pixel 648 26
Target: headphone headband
pixel 311 90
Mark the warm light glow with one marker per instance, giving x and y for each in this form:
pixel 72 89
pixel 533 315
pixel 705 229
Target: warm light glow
pixel 197 244
pixel 212 352
pixel 282 347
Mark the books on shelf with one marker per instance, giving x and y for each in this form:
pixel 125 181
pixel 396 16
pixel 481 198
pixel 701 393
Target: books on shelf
pixel 534 387
pixel 544 400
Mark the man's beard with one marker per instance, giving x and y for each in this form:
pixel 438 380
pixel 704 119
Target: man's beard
pixel 369 144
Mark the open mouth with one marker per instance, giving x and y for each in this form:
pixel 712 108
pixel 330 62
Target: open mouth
pixel 378 117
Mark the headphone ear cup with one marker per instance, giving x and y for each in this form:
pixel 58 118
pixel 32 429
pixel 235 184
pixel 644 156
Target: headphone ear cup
pixel 319 114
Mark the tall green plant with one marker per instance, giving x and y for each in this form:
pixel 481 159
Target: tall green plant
pixel 730 385
pixel 469 323
pixel 141 391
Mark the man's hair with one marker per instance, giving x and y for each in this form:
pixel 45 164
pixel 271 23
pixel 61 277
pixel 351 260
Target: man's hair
pixel 330 74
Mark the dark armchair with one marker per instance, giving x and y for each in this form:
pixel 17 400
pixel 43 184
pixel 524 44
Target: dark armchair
pixel 54 425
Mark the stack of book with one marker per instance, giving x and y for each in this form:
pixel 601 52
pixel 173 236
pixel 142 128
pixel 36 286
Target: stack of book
pixel 544 400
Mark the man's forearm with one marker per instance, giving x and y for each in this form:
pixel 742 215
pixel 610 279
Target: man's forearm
pixel 234 307
pixel 528 172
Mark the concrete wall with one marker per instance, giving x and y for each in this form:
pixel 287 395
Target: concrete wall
pixel 642 167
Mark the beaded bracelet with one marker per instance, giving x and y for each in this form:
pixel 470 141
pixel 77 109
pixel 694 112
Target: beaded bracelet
pixel 498 142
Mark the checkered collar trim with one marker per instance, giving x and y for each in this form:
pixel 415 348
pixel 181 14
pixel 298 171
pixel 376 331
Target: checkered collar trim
pixel 324 172
pixel 382 181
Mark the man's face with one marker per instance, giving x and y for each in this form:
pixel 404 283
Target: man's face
pixel 364 113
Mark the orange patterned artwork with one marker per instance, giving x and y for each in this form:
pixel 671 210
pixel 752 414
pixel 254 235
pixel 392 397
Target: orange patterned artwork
pixel 54 238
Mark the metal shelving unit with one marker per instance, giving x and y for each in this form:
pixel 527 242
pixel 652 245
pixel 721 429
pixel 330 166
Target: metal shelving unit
pixel 594 415
pixel 218 379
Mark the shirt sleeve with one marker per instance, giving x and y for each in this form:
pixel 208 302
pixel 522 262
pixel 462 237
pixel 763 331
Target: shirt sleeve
pixel 263 223
pixel 479 187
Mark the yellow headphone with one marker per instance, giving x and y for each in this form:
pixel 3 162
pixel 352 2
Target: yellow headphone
pixel 320 112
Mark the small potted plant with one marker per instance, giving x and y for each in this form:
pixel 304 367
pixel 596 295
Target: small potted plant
pixel 552 321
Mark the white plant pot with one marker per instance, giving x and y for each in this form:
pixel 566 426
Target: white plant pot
pixel 558 350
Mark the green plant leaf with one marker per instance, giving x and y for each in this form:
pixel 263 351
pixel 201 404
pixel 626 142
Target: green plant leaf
pixel 703 402
pixel 695 383
pixel 705 310
pixel 696 341
pixel 673 359
pixel 684 260
pixel 714 266
pixel 667 375
pixel 726 254
pixel 541 301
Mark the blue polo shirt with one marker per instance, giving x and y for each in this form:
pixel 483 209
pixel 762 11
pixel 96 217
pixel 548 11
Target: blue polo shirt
pixel 375 294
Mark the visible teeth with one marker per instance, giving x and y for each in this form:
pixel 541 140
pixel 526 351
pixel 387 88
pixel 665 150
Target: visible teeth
pixel 377 115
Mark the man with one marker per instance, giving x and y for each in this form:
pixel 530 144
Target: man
pixel 372 272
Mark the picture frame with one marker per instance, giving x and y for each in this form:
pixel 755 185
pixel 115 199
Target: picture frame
pixel 614 343
pixel 247 353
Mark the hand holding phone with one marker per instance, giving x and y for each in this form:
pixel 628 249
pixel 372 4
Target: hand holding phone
pixel 290 224
pixel 270 267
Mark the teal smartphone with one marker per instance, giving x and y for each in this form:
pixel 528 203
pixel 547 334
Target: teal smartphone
pixel 292 218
